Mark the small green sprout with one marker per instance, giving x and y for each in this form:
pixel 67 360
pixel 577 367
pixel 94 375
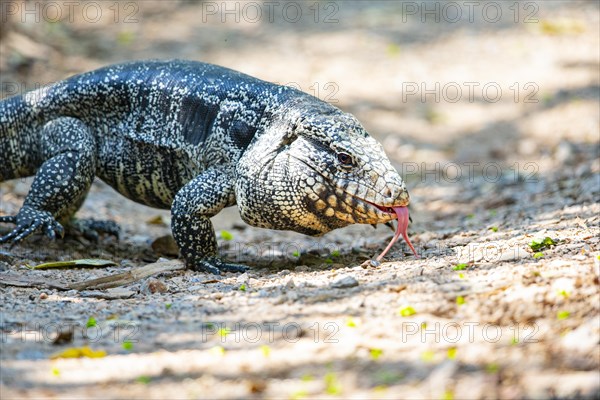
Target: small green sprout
pixel 91 322
pixel 168 306
pixel 144 379
pixel 491 368
pixel 351 323
pixel 461 276
pixel 225 235
pixel 375 353
pixel 460 267
pixel 266 350
pixel 55 371
pixel 242 287
pixel 332 385
pixel 223 332
pixel 451 353
pixel 538 255
pixel 427 355
pixel 127 345
pixel 300 394
pixel 407 311
pixel 460 300
pixel 470 216
pixel 296 254
pixel 329 261
pixel 564 293
pixel 538 244
pixel 563 315
pixel 335 253
pixel 514 341
pixel 493 228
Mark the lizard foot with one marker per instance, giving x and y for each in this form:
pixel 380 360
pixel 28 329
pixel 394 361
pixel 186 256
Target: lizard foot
pixel 91 229
pixel 214 265
pixel 28 221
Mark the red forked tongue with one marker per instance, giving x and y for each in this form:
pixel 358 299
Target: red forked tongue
pixel 402 215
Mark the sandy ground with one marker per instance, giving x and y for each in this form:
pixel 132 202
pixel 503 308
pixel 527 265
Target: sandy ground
pixel 494 122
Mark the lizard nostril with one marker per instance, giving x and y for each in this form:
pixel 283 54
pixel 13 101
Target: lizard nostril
pixel 387 192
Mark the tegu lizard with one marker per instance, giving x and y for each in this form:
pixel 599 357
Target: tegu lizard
pixel 195 138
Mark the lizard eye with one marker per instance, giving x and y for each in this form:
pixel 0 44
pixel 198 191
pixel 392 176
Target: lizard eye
pixel 344 159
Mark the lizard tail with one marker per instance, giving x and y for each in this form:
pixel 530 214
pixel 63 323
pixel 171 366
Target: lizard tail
pixel 19 138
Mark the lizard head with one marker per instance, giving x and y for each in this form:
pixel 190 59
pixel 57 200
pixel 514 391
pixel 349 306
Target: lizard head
pixel 316 169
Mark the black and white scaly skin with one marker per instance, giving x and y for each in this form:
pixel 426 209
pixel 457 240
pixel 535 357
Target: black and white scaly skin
pixel 193 138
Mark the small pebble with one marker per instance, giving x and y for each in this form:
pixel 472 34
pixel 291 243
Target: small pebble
pixel 151 286
pixel 345 282
pixel 43 296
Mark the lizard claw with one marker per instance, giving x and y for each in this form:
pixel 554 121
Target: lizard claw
pixel 28 221
pixel 214 265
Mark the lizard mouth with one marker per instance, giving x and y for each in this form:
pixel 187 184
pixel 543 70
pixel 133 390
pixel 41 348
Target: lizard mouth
pixel 403 217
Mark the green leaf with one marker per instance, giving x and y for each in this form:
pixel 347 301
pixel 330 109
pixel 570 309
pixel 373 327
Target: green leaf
pixel 351 323
pixel 266 350
pixel 491 368
pixel 168 306
pixel 307 378
pixel 375 353
pixel 537 255
pixel 452 353
pixel 335 253
pixel 427 355
pixel 225 235
pixel 563 314
pixel 91 322
pixel 125 37
pixel 448 395
pixel 332 385
pixel 393 50
pixel 223 332
pixel 538 244
pixel 242 287
pixel 460 300
pixel 86 262
pixel 407 311
pixel 493 228
pixel 460 267
pixel 329 261
pixel 564 293
pixel 461 276
pixel 127 345
pixel 296 254
pixel 300 394
pixel 143 379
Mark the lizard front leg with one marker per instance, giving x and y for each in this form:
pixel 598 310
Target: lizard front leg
pixel 194 204
pixel 68 151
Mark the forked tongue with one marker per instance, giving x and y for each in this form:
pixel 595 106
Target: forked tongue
pixel 402 215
